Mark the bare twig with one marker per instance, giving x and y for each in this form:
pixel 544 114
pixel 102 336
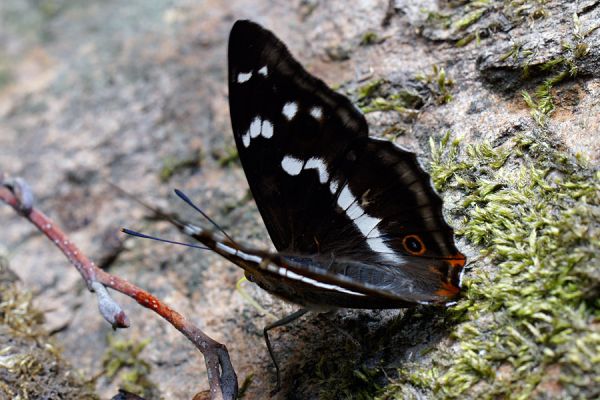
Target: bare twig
pixel 221 375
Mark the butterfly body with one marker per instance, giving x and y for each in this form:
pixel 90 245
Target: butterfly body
pixel 298 279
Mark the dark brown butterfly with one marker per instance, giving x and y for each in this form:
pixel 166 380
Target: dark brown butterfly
pixel 355 220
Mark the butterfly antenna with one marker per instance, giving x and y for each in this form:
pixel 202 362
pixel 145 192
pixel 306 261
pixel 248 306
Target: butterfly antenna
pixel 183 197
pixel 143 236
pixel 158 213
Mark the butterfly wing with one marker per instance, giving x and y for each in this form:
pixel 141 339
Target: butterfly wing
pixel 406 245
pixel 273 104
pixel 323 187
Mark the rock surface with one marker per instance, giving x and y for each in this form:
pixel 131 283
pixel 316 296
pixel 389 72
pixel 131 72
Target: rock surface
pixel 134 94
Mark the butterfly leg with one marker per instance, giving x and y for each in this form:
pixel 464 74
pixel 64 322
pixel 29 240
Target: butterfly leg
pixel 283 321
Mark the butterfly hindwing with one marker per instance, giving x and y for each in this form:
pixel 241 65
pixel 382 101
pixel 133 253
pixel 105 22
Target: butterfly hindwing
pixel 356 207
pixel 390 201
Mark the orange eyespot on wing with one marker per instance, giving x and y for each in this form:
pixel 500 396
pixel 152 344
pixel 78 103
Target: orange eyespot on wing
pixel 413 245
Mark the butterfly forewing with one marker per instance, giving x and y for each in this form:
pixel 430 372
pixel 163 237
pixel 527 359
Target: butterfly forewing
pixel 355 207
pixel 309 122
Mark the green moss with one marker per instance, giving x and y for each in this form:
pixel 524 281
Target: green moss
pixel 438 19
pixel 541 103
pixel 229 157
pixel 526 326
pixel 370 38
pixel 468 39
pixel 384 104
pixel 172 166
pixel 344 380
pixel 438 83
pixel 31 365
pixel 245 385
pixel 369 89
pixel 562 67
pixel 123 359
pixel 465 21
pixel 380 95
pixel 519 55
pixel 468 19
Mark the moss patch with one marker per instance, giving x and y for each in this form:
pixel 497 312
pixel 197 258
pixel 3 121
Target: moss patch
pixel 31 366
pixel 463 21
pixel 227 156
pixel 123 360
pixel 345 380
pixel 381 95
pixel 438 83
pixel 527 325
pixel 560 68
pixel 370 38
pixel 174 165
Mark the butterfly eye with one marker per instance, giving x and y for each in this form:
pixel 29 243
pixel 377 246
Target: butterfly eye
pixel 414 245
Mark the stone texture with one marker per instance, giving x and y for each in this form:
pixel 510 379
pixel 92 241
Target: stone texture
pixel 96 93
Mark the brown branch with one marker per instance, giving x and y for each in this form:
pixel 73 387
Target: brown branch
pixel 221 375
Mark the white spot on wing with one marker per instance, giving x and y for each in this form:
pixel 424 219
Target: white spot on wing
pixel 254 129
pixel 319 165
pixel 291 274
pixel 246 139
pixel 289 110
pixel 366 224
pixel 238 253
pixel 191 230
pixel 316 112
pixel 378 246
pixel 355 211
pixel 346 198
pixel 273 268
pixel 291 165
pixel 333 187
pixel 248 257
pixel 244 77
pixel 266 129
pixel 309 281
pixel 263 71
pixel 226 249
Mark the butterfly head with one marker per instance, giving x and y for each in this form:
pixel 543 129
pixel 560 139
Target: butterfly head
pixel 451 277
pixel 444 263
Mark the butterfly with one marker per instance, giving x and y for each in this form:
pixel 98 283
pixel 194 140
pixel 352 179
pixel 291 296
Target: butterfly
pixel 355 220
